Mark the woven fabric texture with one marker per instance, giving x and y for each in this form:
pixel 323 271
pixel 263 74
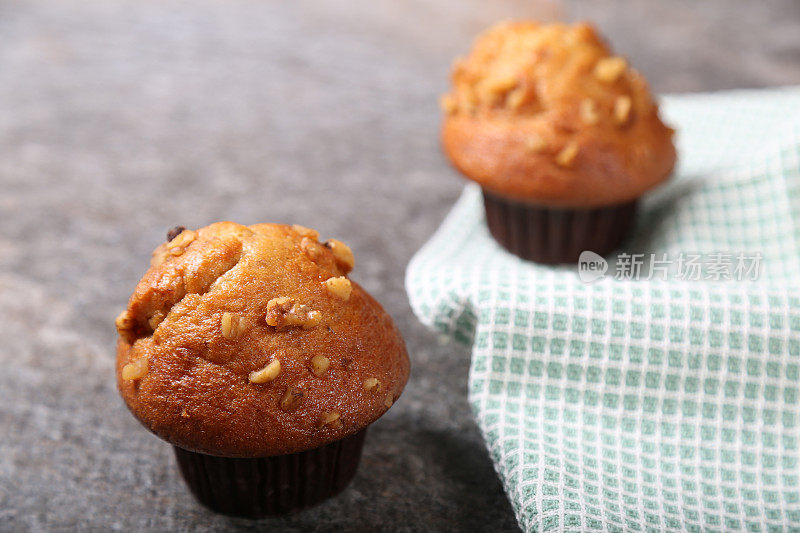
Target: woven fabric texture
pixel 648 399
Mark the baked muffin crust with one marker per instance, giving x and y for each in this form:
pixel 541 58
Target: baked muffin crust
pixel 546 114
pixel 251 341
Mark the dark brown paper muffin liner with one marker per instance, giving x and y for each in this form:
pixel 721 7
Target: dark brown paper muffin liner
pixel 271 486
pixel 552 235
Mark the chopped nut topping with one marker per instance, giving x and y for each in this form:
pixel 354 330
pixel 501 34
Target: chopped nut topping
pixel 311 248
pixel 124 321
pixel 182 240
pixel 497 85
pixel 135 370
pixel 278 305
pixel 567 155
pixel 291 400
pixel 448 104
pixel 609 69
pixel 331 419
pixel 340 287
pixel 232 325
pixel 266 374
pixel 589 114
pixel 515 98
pixel 156 319
pixel 178 244
pixel 622 109
pixel 226 325
pixel 283 312
pixel 389 401
pixel 535 143
pixel 319 365
pixel 174 232
pixel 372 383
pixel 306 232
pixel 342 253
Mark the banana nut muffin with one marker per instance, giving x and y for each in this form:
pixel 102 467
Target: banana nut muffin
pixel 546 117
pixel 251 342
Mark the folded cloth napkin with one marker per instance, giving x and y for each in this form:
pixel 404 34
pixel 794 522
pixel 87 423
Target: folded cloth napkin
pixel 656 396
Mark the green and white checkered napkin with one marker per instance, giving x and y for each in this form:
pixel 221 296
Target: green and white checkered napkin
pixel 650 404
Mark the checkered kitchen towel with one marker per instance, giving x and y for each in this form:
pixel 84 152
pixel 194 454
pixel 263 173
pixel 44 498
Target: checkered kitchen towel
pixel 646 401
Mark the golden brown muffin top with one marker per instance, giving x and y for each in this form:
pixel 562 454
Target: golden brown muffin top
pixel 248 341
pixel 546 113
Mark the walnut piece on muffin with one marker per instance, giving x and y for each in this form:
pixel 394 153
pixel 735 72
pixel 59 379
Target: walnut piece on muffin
pixel 251 341
pixel 548 115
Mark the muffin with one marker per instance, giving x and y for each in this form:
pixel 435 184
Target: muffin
pixel 562 136
pixel 250 351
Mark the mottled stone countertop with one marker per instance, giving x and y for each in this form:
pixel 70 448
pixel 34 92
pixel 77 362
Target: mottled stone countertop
pixel 121 118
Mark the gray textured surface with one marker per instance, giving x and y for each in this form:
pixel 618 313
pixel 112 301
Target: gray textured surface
pixel 119 119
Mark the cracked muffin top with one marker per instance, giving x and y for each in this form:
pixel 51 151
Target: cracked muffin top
pixel 250 341
pixel 547 114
